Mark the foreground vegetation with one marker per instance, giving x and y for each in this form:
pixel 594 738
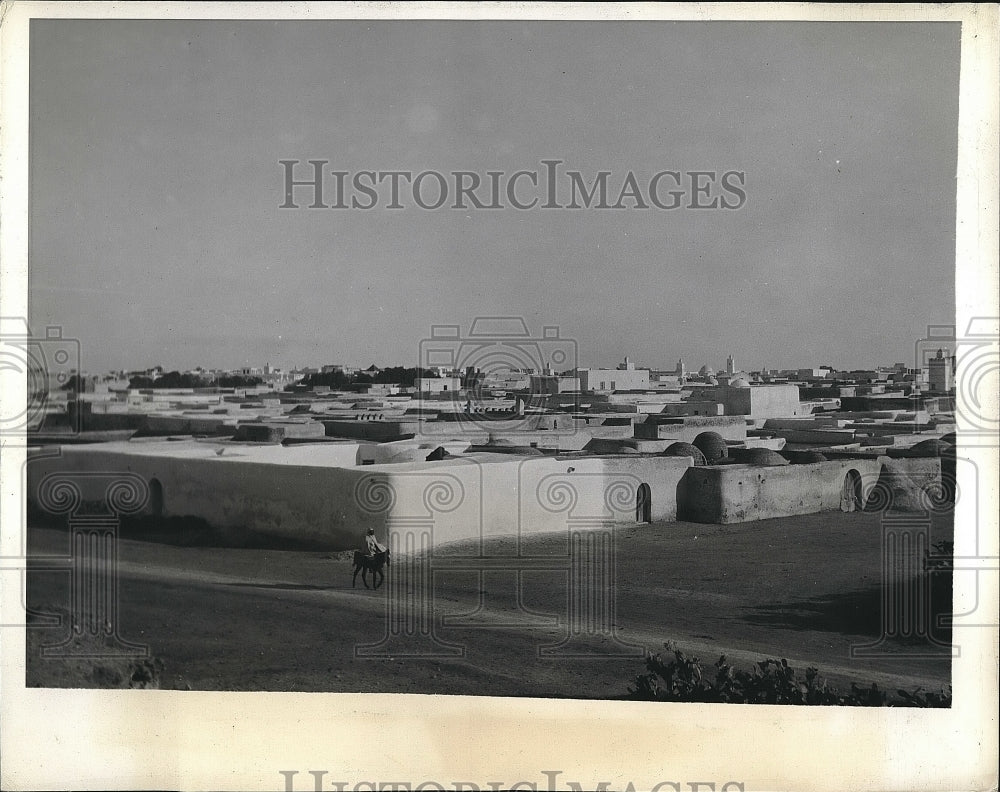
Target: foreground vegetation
pixel 770 681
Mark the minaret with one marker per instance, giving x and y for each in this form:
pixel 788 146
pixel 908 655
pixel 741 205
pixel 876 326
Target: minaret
pixel 730 365
pixel 681 371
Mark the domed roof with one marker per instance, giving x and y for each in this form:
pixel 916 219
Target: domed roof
pixel 706 371
pixel 685 449
pixel 711 381
pixel 712 445
pixel 931 447
pixel 739 382
pixel 949 438
pixel 803 457
pixel 764 456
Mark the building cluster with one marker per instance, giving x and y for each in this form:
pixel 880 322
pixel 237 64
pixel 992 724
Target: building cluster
pixel 288 457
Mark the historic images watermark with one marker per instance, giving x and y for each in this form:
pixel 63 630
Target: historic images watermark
pixel 45 369
pixel 910 615
pixel 968 363
pixel 497 357
pixel 961 369
pixel 36 373
pixel 318 184
pixel 93 504
pixel 37 366
pixel 416 511
pixel 317 782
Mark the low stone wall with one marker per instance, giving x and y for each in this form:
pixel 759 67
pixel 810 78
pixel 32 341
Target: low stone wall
pixel 600 445
pixel 319 494
pixel 742 493
pixel 774 443
pixel 815 437
pixel 164 425
pixel 371 430
pixel 302 502
pixel 245 493
pixel 685 430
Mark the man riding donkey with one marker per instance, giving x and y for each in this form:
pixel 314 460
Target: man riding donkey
pixel 371 559
pixel 373 545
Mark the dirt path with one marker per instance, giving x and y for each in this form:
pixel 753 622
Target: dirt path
pixel 805 589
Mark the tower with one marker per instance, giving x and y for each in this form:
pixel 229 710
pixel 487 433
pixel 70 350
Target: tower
pixel 939 372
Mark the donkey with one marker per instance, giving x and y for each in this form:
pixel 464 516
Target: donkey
pixel 366 563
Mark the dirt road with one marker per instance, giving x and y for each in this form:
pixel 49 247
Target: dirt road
pixel 222 618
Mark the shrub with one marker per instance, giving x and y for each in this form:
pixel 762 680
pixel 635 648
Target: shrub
pixel 769 681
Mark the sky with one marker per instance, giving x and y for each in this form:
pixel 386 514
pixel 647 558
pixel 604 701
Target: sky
pixel 157 237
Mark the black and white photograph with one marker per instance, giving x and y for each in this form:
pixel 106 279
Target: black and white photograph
pixel 391 391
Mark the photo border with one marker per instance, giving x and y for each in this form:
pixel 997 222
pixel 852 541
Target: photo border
pixel 100 739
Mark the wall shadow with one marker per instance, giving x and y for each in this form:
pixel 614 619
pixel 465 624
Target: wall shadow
pixel 856 612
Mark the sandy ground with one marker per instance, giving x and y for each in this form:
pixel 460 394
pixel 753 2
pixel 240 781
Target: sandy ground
pixel 258 618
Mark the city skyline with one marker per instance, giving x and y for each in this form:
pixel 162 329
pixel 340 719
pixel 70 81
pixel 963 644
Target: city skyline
pixel 156 232
pixel 353 365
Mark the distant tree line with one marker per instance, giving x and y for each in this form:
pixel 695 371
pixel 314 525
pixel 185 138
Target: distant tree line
pixel 175 379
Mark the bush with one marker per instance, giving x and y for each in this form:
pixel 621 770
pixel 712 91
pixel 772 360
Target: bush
pixel 769 681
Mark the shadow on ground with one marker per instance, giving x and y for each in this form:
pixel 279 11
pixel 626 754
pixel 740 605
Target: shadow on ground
pixel 857 612
pixel 189 531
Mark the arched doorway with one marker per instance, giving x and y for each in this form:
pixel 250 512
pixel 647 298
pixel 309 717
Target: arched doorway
pixel 643 504
pixel 156 497
pixel 851 495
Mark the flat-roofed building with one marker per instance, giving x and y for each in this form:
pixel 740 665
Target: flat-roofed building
pixel 598 379
pixel 438 384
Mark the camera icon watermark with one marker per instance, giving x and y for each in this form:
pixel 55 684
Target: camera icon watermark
pixel 976 391
pixel 497 377
pixel 964 370
pixel 33 370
